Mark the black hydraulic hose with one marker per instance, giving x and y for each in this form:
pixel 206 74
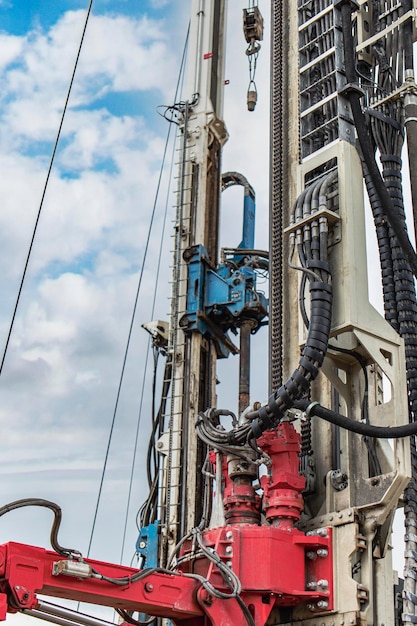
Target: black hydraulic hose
pixel 125 615
pixel 411 128
pixel 18 504
pixel 311 241
pixel 385 256
pixel 379 432
pixel 407 5
pixel 311 360
pixel 405 293
pixel 410 106
pixel 354 95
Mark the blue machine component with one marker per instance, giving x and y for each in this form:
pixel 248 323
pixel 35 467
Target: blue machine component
pixel 147 545
pixel 248 230
pixel 220 298
pixel 147 548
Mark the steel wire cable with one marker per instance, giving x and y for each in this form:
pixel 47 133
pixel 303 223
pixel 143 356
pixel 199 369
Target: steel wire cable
pixel 51 163
pixel 167 375
pixel 126 352
pixel 134 313
pixel 158 269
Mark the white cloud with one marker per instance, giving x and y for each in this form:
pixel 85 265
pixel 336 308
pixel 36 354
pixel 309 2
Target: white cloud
pixel 159 4
pixel 59 384
pixel 139 59
pixel 10 49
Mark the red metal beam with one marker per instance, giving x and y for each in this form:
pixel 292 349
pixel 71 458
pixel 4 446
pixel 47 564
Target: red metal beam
pixel 26 571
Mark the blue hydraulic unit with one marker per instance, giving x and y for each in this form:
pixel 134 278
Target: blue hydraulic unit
pixel 224 298
pixel 147 545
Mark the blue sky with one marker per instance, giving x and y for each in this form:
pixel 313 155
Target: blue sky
pixel 59 383
pixel 21 16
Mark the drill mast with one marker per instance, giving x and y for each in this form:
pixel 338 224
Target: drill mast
pixel 281 515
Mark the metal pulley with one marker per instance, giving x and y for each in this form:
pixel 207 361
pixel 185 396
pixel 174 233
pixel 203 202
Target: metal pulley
pixel 253 26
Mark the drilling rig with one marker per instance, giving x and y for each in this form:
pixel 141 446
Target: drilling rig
pixel 282 513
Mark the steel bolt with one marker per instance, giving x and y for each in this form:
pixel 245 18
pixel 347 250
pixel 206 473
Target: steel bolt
pixel 312 556
pixel 311 607
pixel 149 587
pixel 311 585
pixel 322 552
pixel 322 604
pixel 142 544
pixel 229 550
pixel 229 534
pixel 323 583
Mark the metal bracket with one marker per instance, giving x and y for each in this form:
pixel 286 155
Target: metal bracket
pixel 220 299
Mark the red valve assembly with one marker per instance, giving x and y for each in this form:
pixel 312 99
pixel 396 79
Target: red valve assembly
pixel 256 564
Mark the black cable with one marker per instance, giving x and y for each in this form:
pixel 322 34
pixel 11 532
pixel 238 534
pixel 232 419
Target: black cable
pixel 19 293
pixel 130 620
pixel 354 95
pixel 245 611
pixel 411 112
pixel 386 263
pixel 147 511
pixel 152 313
pixel 18 504
pixel 311 359
pixel 152 460
pixel 359 358
pixel 375 466
pixel 379 432
pixel 145 254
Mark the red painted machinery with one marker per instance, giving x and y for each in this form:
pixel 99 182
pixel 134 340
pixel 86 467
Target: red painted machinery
pixel 257 562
